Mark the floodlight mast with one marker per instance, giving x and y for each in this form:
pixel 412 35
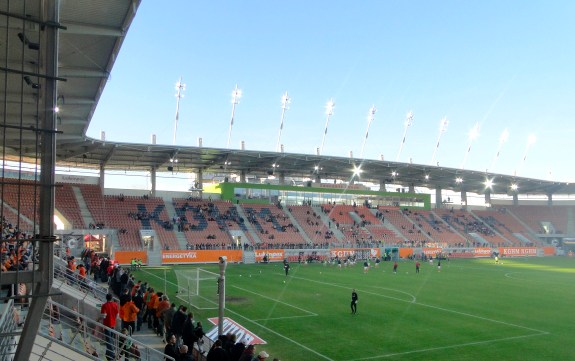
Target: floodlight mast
pixel 370 117
pixel 328 112
pixel 531 139
pixel 286 100
pixel 236 95
pixel 473 134
pixel 407 124
pixel 180 87
pixel 502 139
pixel 442 129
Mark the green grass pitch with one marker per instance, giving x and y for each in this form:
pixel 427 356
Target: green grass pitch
pixel 523 309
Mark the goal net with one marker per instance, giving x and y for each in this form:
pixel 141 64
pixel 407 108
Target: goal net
pixel 198 287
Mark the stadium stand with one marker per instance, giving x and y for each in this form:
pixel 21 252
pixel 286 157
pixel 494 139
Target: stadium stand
pixel 67 205
pixel 273 225
pixel 506 225
pixel 545 219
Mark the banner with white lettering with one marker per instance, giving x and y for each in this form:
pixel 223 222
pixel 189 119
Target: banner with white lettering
pixel 230 326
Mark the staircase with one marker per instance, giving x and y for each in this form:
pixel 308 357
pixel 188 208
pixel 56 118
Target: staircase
pixel 84 211
pixel 249 226
pixel 180 236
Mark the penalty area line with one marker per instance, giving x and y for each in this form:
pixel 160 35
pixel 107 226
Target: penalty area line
pixel 449 347
pixel 278 301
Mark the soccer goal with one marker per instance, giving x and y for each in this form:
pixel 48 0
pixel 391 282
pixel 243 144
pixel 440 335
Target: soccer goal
pixel 198 287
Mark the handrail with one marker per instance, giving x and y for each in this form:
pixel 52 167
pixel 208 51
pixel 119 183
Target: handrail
pixel 90 332
pixel 87 286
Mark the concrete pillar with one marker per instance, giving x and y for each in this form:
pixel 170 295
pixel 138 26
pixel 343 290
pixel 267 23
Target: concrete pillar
pixel 515 199
pixel 438 199
pixel 550 199
pixel 317 178
pixel 153 181
pixel 243 176
pixel 411 188
pixel 102 179
pixel 488 197
pixel 200 179
pixel 382 185
pixel 463 199
pixel 282 178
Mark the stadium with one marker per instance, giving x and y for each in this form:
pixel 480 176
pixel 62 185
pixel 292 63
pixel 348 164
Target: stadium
pixel 266 246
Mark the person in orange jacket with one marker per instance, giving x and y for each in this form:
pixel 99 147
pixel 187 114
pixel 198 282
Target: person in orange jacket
pixel 129 315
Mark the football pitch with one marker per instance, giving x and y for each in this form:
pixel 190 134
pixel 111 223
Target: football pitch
pixel 473 309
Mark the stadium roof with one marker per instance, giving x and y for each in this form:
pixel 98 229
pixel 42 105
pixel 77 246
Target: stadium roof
pixel 91 35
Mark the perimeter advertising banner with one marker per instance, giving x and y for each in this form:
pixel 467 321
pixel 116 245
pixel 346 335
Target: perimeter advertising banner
pixel 359 253
pixel 518 251
pixel 193 256
pixel 125 257
pixel 275 255
pixel 431 252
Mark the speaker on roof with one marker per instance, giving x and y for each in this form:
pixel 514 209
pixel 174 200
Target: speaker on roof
pixel 170 168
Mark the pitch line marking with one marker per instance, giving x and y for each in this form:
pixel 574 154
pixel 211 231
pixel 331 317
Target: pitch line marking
pixel 276 300
pixel 283 318
pixel 435 307
pixel 282 336
pixel 449 347
pixel 364 291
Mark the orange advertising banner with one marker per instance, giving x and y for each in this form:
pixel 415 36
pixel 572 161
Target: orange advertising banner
pixel 405 252
pixel 276 255
pixel 517 251
pixel 549 251
pixel 125 257
pixel 193 256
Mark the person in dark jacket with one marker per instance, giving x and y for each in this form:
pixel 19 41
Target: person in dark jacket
pixel 178 323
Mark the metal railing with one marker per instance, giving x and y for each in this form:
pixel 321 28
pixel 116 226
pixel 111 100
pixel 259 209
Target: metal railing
pixel 86 285
pixel 89 337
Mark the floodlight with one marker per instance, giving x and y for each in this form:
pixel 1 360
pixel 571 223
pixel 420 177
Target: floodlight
pixel 236 95
pixel 458 180
pixel 329 106
pixel 488 183
pixel 514 186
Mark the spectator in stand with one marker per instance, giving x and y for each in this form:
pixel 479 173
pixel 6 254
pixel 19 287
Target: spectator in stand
pixel 153 297
pixel 248 354
pixel 139 302
pixel 170 349
pixel 167 317
pixel 188 332
pixel 156 304
pixel 129 315
pixel 237 351
pixel 109 313
pixel 217 353
pixel 185 354
pixel 164 305
pixel 178 323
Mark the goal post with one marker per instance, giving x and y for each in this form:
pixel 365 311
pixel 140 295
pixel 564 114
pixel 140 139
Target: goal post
pixel 198 287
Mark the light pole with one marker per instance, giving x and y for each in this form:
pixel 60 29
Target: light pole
pixel 370 117
pixel 328 112
pixel 407 124
pixel 442 129
pixel 180 87
pixel 222 294
pixel 286 100
pixel 236 95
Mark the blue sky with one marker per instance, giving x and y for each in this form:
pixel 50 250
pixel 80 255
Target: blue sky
pixel 501 64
